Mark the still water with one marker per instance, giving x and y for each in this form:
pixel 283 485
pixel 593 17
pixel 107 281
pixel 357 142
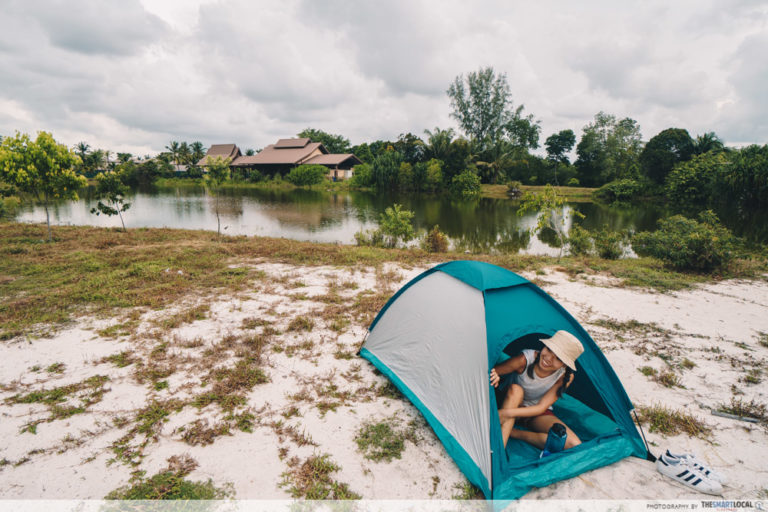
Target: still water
pixel 479 225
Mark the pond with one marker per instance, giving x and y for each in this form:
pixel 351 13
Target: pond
pixel 480 225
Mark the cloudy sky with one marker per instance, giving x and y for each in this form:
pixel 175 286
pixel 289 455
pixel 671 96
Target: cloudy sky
pixel 132 75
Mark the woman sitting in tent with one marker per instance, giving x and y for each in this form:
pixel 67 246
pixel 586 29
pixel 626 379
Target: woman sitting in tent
pixel 538 380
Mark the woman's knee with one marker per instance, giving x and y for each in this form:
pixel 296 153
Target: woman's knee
pixel 572 440
pixel 515 395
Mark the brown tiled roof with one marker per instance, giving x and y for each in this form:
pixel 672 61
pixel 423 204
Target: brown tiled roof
pixel 222 150
pixel 333 159
pixel 281 156
pixel 292 143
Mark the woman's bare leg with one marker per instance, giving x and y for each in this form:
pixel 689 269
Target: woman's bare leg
pixel 513 400
pixel 542 424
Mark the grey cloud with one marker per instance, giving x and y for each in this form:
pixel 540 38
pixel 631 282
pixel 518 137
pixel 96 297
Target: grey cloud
pixel 746 118
pixel 97 27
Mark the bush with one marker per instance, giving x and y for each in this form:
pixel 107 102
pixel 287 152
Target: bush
pixel 514 189
pixel 579 241
pixel 435 241
pixel 466 185
pixel 372 238
pixel 687 244
pixel 619 190
pixel 8 207
pixel 396 224
pixel 573 182
pixel 609 244
pixel 307 175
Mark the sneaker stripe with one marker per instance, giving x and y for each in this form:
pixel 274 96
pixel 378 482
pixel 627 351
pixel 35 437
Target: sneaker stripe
pixel 697 482
pixel 681 475
pixel 690 477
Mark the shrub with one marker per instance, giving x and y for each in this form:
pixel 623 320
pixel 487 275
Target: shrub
pixel 573 182
pixel 619 190
pixel 435 241
pixel 609 244
pixel 466 185
pixel 579 241
pixel 396 224
pixel 687 244
pixel 8 207
pixel 514 189
pixel 306 175
pixel 372 238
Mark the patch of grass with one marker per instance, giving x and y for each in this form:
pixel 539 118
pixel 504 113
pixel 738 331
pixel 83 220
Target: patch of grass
pixel 671 422
pixel 64 401
pixel 56 368
pixel 286 431
pixel 668 379
pixel 149 419
pixel 199 433
pixel 384 440
pixel 121 359
pixel 648 371
pixel 687 364
pixel 301 323
pixel 311 480
pixel 388 390
pixel 343 353
pixel 186 316
pixel 160 385
pixel 744 409
pixel 230 384
pixel 243 421
pixel 762 339
pixel 169 485
pixel 117 330
pixel 467 491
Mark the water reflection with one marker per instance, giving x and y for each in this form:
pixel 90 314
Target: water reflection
pixel 482 225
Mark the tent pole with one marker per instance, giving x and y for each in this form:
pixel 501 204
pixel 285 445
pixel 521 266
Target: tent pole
pixel 651 457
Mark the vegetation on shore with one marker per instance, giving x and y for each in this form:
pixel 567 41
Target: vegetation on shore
pixel 102 270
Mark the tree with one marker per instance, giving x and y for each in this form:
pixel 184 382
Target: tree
pixel 307 175
pixel 550 206
pixel 410 147
pixel 82 148
pixel 466 185
pixel 218 173
pixel 483 107
pixel 609 149
pixel 663 151
pixel 109 186
pixel 438 143
pixel 198 151
pixel 706 143
pixel 558 144
pixel 333 143
pixel 396 224
pixel 42 168
pixel 386 169
pixel 173 149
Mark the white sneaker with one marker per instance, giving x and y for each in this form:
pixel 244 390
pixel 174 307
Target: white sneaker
pixel 683 472
pixel 697 463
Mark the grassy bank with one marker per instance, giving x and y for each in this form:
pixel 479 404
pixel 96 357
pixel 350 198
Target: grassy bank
pixel 104 270
pixel 572 194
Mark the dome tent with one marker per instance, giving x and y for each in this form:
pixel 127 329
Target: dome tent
pixel 437 339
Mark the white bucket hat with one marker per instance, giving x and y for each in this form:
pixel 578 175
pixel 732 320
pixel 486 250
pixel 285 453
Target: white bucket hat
pixel 565 346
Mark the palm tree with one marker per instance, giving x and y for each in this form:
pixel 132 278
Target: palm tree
pixel 82 148
pixel 706 143
pixel 198 151
pixel 438 142
pixel 173 148
pixel 185 153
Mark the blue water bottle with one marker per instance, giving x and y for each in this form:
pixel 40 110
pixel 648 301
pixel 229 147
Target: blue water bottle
pixel 555 440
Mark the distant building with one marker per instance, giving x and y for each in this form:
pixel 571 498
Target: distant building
pixel 285 155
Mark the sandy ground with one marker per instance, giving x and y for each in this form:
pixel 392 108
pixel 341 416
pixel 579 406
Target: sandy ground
pixel 319 394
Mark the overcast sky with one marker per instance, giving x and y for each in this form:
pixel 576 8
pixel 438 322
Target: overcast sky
pixel 132 75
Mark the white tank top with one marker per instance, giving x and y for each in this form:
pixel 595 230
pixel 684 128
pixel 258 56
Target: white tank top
pixel 535 387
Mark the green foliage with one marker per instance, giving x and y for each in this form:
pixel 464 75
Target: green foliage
pixel 687 244
pixel 307 175
pixel 41 168
pixel 558 144
pixel 386 170
pixel 384 440
pixel 695 182
pixel 362 176
pixel 608 150
pixel 8 207
pixel 483 107
pixel 218 173
pixel 168 485
pixel 609 244
pixel 333 143
pixel 396 225
pixel 514 189
pixel 550 206
pixel 466 185
pixel 619 190
pixel 312 480
pixel 109 186
pixel 663 151
pixel 435 240
pixel 580 241
pixel 438 143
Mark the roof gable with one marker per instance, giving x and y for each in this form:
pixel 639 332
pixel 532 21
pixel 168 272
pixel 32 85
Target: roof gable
pixel 292 143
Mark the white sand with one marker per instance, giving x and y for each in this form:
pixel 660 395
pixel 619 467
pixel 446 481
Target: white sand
pixel 716 327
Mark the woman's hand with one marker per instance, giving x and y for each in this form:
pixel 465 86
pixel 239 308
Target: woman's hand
pixel 494 378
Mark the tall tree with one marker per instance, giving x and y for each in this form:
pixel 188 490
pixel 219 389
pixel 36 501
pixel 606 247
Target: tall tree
pixel 707 142
pixel 41 168
pixel 559 144
pixel 609 149
pixel 333 143
pixel 666 149
pixel 173 149
pixel 410 147
pixel 198 151
pixel 82 148
pixel 438 143
pixel 482 104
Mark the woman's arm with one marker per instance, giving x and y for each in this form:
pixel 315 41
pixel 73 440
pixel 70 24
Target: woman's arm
pixel 514 364
pixel 535 410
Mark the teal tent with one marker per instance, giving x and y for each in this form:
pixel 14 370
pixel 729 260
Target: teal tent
pixel 437 339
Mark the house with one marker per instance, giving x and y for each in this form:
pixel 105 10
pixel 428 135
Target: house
pixel 285 155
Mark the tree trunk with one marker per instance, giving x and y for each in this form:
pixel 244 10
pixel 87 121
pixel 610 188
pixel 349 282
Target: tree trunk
pixel 121 216
pixel 218 221
pixel 47 217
